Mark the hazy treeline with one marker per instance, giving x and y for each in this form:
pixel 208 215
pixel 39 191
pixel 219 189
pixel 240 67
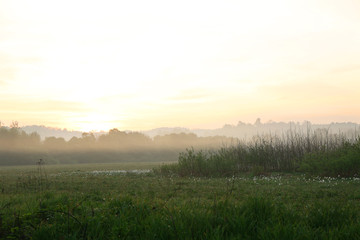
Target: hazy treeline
pixel 241 130
pixel 16 139
pixel 247 130
pixel 19 147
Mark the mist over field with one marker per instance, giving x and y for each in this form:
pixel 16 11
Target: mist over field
pixel 27 144
pixel 18 147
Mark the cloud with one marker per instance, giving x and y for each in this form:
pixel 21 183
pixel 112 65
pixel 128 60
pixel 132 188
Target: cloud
pixel 35 111
pixel 346 68
pixel 7 71
pixel 6 74
pixel 191 95
pixel 312 94
pixel 10 66
pixel 116 97
pixel 41 106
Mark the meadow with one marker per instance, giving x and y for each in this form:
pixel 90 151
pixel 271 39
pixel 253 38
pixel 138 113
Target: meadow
pixel 298 185
pixel 127 201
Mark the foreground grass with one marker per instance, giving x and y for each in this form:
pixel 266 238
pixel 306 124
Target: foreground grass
pixel 96 202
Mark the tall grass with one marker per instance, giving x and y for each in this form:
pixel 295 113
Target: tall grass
pixel 312 152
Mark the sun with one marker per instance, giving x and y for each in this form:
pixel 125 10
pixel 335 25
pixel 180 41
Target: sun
pixel 94 123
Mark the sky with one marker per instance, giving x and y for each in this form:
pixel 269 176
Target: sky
pixel 97 65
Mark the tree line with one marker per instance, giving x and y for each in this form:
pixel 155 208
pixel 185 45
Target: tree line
pixel 16 139
pixel 18 147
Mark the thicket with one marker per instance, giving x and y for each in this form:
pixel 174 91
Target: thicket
pixel 314 152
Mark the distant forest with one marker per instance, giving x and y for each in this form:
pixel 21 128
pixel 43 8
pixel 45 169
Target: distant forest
pixel 18 147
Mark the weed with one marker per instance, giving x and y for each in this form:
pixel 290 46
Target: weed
pixel 317 154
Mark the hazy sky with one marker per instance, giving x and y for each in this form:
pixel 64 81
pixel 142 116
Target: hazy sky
pixel 96 65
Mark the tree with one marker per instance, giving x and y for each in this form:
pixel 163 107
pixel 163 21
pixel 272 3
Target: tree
pixel 14 124
pixel 257 122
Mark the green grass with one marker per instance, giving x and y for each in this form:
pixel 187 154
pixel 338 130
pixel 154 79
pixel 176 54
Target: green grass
pixel 96 202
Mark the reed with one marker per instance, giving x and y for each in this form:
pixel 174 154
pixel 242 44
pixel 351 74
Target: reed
pixel 314 152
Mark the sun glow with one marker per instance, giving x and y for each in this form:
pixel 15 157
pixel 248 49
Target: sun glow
pixel 141 64
pixel 94 122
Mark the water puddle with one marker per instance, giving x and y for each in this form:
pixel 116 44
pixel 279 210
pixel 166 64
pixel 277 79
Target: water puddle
pixel 115 172
pixel 104 172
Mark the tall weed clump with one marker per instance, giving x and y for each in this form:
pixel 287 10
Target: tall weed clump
pixel 291 151
pixel 207 163
pixel 343 161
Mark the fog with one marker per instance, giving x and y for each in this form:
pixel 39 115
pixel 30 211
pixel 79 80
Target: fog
pixel 18 147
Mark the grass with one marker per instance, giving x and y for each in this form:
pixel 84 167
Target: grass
pixel 76 202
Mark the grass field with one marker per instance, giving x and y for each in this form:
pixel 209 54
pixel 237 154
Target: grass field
pixel 123 201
